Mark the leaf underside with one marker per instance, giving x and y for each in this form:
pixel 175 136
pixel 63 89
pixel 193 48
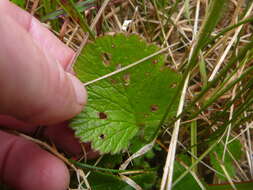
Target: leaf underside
pixel 129 104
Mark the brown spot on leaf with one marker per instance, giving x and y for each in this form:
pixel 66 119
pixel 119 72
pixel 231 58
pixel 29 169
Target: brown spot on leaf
pixel 155 61
pixel 106 58
pixel 102 136
pixel 113 46
pixel 141 124
pixel 102 115
pixel 173 85
pixel 154 107
pixel 113 81
pixel 126 79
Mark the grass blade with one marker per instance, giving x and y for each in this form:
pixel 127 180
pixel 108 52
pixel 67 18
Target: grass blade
pixel 72 11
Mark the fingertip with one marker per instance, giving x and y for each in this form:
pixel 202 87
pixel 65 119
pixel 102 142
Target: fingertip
pixel 24 166
pixel 67 99
pixel 80 91
pixel 44 173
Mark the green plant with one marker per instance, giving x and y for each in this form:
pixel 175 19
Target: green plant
pixel 233 153
pixel 128 103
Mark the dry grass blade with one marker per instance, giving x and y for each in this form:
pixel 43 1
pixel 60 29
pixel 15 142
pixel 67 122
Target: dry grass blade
pixel 168 168
pixel 232 41
pixel 126 67
pixel 130 182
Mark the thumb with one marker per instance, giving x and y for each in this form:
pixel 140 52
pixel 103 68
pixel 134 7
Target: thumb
pixel 34 87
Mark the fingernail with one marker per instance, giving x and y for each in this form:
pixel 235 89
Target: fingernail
pixel 79 89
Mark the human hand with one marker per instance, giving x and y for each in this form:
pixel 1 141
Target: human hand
pixel 36 89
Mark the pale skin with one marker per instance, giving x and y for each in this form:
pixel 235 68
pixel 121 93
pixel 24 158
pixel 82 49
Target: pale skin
pixel 35 90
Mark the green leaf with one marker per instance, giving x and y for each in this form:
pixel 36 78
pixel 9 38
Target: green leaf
pixel 102 181
pixel 127 104
pixel 111 161
pixel 188 181
pixel 216 158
